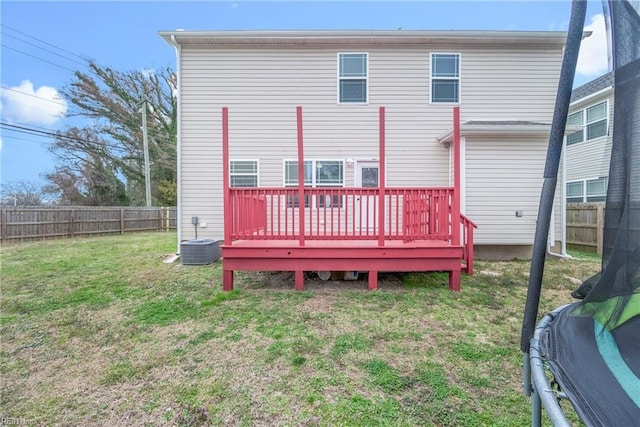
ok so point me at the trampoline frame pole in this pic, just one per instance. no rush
(536, 409)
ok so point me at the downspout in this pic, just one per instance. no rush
(178, 144)
(563, 209)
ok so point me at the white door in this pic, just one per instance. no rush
(367, 176)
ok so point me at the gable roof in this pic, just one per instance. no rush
(602, 82)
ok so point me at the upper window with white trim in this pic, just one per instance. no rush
(243, 173)
(352, 77)
(593, 120)
(445, 77)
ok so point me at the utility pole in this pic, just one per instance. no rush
(145, 147)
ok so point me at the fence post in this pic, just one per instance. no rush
(72, 222)
(121, 221)
(599, 228)
(4, 224)
(168, 220)
(160, 218)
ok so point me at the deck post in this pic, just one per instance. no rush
(227, 275)
(227, 279)
(381, 182)
(301, 203)
(455, 202)
(373, 280)
(225, 176)
(299, 280)
(454, 280)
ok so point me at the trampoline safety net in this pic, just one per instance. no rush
(592, 347)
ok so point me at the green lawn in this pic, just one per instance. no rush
(99, 331)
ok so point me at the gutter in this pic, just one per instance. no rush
(173, 42)
(563, 207)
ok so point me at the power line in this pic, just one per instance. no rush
(44, 42)
(45, 49)
(34, 96)
(37, 57)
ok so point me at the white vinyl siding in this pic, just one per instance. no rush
(445, 78)
(262, 87)
(353, 77)
(504, 175)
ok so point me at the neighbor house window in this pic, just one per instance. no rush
(587, 190)
(352, 77)
(575, 119)
(593, 121)
(597, 190)
(596, 120)
(445, 77)
(317, 173)
(243, 173)
(575, 192)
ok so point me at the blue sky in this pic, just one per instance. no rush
(43, 42)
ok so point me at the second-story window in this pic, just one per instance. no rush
(352, 77)
(445, 77)
(593, 121)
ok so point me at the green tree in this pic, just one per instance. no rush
(108, 153)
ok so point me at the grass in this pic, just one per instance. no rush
(98, 331)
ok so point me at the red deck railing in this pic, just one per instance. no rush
(342, 214)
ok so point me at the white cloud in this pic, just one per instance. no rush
(592, 59)
(42, 106)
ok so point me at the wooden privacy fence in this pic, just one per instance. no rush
(585, 226)
(18, 223)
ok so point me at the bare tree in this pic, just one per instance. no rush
(22, 193)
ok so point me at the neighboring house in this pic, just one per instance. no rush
(589, 150)
(505, 84)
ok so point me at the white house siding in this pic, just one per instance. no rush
(262, 87)
(590, 159)
(504, 175)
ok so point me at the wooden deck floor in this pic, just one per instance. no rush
(342, 255)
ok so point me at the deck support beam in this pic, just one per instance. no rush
(373, 280)
(454, 280)
(299, 280)
(227, 280)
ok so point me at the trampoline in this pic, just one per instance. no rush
(588, 352)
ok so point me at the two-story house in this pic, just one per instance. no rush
(504, 84)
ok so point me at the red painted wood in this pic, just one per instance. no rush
(412, 213)
(299, 280)
(467, 242)
(227, 280)
(455, 211)
(341, 264)
(381, 180)
(414, 229)
(225, 177)
(454, 280)
(301, 204)
(373, 280)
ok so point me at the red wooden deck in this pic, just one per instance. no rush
(345, 229)
(342, 255)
